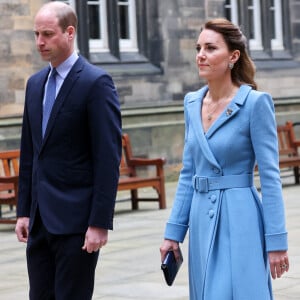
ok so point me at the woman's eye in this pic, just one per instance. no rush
(198, 49)
(211, 48)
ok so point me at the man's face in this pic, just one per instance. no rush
(53, 44)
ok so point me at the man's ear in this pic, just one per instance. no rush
(71, 32)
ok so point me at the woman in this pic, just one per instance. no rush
(236, 238)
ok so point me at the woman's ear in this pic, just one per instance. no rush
(234, 57)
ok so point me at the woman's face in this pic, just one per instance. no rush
(213, 56)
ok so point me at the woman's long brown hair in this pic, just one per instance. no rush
(243, 71)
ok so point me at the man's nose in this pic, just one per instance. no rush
(39, 40)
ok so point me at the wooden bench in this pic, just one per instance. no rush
(9, 175)
(130, 180)
(289, 156)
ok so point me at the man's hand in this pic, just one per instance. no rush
(21, 229)
(95, 238)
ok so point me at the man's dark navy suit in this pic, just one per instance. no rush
(71, 175)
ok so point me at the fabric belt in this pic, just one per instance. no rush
(205, 184)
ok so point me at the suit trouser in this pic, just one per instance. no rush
(58, 268)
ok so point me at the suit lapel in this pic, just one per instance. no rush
(35, 104)
(65, 89)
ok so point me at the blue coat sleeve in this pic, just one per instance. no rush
(178, 222)
(265, 145)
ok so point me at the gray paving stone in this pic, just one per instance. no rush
(129, 266)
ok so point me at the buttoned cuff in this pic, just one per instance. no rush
(175, 232)
(276, 242)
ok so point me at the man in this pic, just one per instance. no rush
(69, 164)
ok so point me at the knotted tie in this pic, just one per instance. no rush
(49, 99)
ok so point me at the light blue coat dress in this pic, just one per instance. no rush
(231, 227)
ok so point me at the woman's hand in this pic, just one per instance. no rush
(279, 263)
(168, 245)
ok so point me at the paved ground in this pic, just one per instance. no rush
(129, 266)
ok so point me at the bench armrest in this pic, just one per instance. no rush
(9, 183)
(147, 161)
(297, 143)
(9, 179)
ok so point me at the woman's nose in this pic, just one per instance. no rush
(201, 55)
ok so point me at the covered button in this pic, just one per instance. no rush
(213, 198)
(211, 213)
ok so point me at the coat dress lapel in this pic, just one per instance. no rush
(231, 110)
(194, 110)
(194, 105)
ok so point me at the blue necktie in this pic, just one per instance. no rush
(49, 99)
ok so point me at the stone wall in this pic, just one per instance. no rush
(173, 28)
(19, 58)
(151, 101)
(176, 24)
(154, 131)
(295, 27)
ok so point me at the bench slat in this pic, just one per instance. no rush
(130, 180)
(9, 176)
(289, 156)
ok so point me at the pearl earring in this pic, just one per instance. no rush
(231, 65)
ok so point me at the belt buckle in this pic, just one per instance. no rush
(203, 184)
(200, 184)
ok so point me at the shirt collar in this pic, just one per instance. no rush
(64, 68)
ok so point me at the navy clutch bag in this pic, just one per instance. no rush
(170, 266)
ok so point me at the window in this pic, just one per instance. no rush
(115, 33)
(99, 16)
(262, 23)
(276, 21)
(127, 25)
(231, 11)
(71, 2)
(254, 25)
(98, 39)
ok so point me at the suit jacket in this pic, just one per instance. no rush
(231, 226)
(72, 173)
